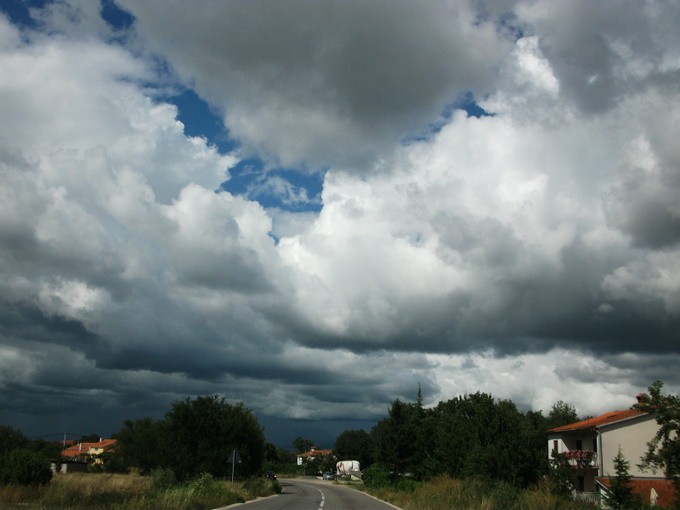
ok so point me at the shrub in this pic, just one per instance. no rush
(24, 467)
(203, 484)
(163, 478)
(376, 477)
(257, 487)
(254, 486)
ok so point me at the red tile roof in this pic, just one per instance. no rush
(598, 421)
(642, 486)
(315, 452)
(84, 448)
(105, 444)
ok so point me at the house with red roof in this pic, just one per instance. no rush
(89, 452)
(313, 452)
(589, 447)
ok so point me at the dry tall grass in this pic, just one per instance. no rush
(123, 492)
(444, 493)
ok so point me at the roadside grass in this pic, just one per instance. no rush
(443, 493)
(123, 492)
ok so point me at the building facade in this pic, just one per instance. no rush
(589, 447)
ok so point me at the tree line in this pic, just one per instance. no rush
(474, 435)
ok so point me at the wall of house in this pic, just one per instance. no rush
(583, 476)
(632, 436)
(567, 441)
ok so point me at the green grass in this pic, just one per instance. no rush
(123, 492)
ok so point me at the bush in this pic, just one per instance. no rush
(24, 467)
(254, 486)
(257, 487)
(163, 478)
(376, 477)
(203, 484)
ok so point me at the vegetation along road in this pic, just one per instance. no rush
(314, 494)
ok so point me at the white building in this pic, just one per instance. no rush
(589, 446)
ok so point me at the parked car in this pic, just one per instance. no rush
(270, 474)
(329, 476)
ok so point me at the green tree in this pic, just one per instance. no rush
(24, 467)
(286, 457)
(539, 464)
(48, 449)
(196, 436)
(142, 444)
(269, 452)
(663, 451)
(561, 414)
(621, 495)
(203, 433)
(302, 445)
(11, 439)
(355, 445)
(397, 439)
(481, 437)
(560, 475)
(320, 464)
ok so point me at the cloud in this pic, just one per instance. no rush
(323, 83)
(531, 253)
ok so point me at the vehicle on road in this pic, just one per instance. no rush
(270, 474)
(329, 476)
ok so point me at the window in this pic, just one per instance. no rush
(579, 445)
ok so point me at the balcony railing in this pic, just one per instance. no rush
(588, 497)
(581, 458)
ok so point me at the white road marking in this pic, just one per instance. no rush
(323, 499)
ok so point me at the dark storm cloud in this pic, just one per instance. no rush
(532, 253)
(352, 77)
(590, 45)
(646, 207)
(26, 322)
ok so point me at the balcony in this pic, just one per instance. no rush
(593, 498)
(583, 459)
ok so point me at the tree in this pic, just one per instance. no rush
(24, 467)
(302, 445)
(286, 457)
(196, 436)
(561, 414)
(663, 451)
(142, 444)
(396, 438)
(354, 445)
(269, 452)
(11, 439)
(47, 449)
(560, 475)
(320, 464)
(203, 433)
(621, 495)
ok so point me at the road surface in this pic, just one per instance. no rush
(315, 494)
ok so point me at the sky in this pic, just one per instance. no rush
(317, 207)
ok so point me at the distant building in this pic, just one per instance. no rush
(89, 452)
(313, 452)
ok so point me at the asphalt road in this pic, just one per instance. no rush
(315, 494)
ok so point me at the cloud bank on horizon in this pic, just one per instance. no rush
(532, 252)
